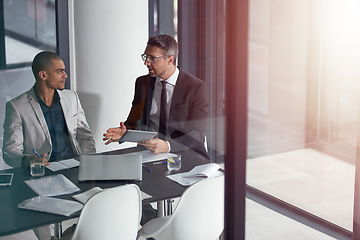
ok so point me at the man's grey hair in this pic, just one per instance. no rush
(166, 43)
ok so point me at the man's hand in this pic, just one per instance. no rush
(27, 159)
(155, 145)
(114, 134)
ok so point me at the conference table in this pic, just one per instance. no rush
(154, 183)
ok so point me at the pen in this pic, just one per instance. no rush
(36, 153)
(163, 162)
(147, 169)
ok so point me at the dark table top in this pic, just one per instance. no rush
(154, 183)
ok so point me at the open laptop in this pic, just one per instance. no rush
(110, 167)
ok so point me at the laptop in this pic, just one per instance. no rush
(110, 167)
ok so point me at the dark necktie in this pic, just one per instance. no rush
(162, 122)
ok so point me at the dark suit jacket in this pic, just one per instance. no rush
(188, 111)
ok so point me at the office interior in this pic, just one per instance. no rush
(283, 82)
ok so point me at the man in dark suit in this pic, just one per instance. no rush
(178, 112)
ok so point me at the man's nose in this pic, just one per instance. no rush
(147, 62)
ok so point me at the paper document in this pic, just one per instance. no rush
(205, 170)
(52, 185)
(148, 156)
(196, 174)
(85, 196)
(63, 164)
(144, 195)
(51, 205)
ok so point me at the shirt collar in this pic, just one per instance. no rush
(56, 97)
(172, 79)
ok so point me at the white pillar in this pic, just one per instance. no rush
(106, 40)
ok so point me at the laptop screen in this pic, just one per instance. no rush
(110, 167)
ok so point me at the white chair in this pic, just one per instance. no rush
(199, 214)
(113, 213)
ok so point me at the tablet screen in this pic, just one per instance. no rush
(137, 136)
(5, 179)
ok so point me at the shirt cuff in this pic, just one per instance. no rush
(169, 146)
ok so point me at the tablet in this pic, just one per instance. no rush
(6, 179)
(137, 136)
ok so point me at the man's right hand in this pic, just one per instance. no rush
(28, 158)
(114, 134)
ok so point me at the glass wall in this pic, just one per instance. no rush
(302, 89)
(29, 26)
(303, 104)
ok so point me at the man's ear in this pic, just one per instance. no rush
(171, 59)
(42, 75)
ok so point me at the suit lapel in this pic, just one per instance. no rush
(65, 107)
(149, 98)
(38, 113)
(68, 111)
(177, 94)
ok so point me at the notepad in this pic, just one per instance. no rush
(63, 164)
(196, 174)
(204, 171)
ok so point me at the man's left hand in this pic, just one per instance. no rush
(155, 145)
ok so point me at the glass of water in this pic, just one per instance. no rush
(174, 163)
(37, 168)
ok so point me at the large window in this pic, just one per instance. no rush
(303, 105)
(28, 27)
(302, 111)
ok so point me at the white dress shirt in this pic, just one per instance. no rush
(156, 102)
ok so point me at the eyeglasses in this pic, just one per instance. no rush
(151, 59)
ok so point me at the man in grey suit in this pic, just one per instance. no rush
(46, 118)
(186, 102)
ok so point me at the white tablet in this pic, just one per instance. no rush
(137, 136)
(6, 179)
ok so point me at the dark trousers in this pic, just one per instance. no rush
(148, 213)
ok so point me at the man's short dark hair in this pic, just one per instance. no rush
(42, 61)
(166, 43)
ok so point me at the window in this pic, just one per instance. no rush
(28, 27)
(303, 105)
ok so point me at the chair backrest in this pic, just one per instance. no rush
(113, 213)
(199, 214)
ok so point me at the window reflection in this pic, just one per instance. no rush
(29, 28)
(303, 104)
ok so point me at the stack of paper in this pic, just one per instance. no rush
(52, 185)
(51, 205)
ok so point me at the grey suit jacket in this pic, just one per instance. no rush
(25, 127)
